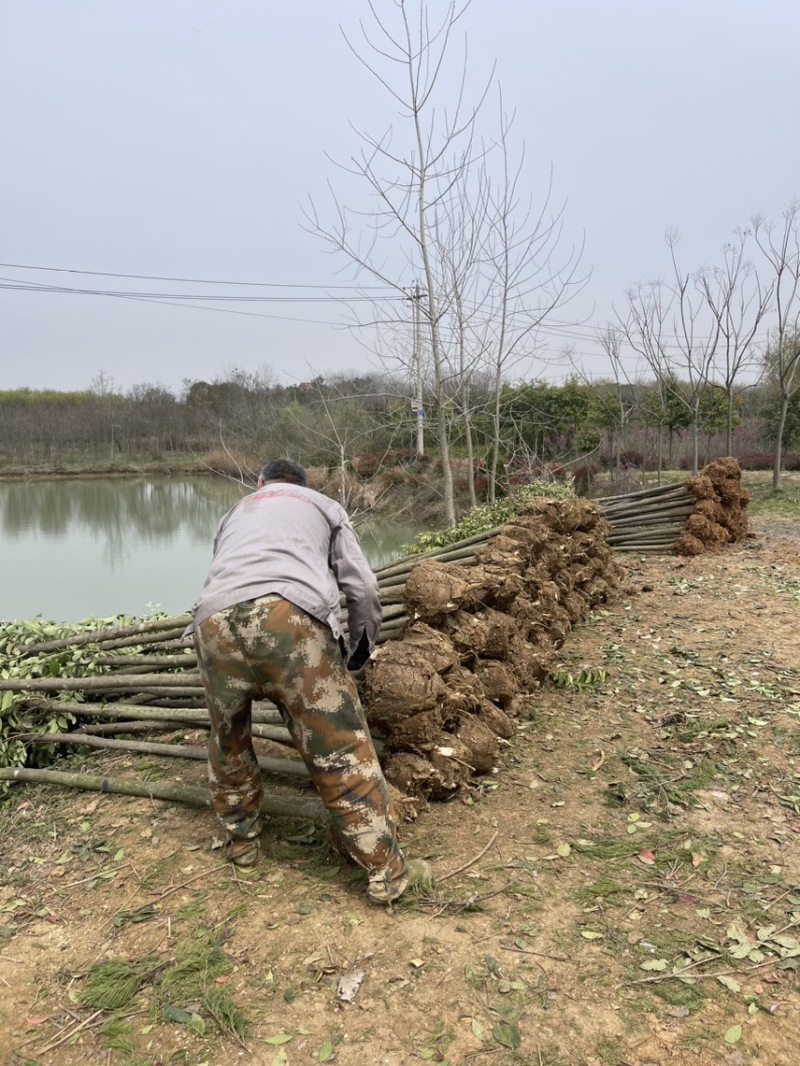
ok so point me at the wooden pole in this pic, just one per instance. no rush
(293, 767)
(278, 806)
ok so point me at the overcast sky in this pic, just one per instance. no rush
(179, 138)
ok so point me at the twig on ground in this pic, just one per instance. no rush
(72, 1030)
(718, 973)
(176, 888)
(596, 766)
(466, 866)
(100, 875)
(539, 954)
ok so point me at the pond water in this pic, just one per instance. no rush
(71, 549)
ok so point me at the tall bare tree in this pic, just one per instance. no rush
(410, 174)
(695, 338)
(450, 202)
(671, 327)
(780, 245)
(616, 406)
(739, 303)
(645, 329)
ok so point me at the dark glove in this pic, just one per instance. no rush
(361, 653)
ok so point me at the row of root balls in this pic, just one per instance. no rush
(445, 696)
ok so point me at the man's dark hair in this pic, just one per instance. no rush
(283, 470)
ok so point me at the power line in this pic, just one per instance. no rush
(20, 285)
(550, 327)
(190, 281)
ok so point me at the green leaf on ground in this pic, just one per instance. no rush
(177, 1014)
(508, 1035)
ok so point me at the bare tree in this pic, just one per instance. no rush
(696, 336)
(411, 183)
(671, 327)
(739, 302)
(780, 246)
(619, 409)
(645, 329)
(529, 271)
(487, 262)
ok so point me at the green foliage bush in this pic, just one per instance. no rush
(487, 516)
(17, 664)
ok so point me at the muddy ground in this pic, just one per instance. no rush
(644, 823)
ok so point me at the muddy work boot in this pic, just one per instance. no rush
(242, 852)
(417, 877)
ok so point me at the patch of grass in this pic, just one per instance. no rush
(113, 984)
(764, 500)
(192, 911)
(604, 847)
(118, 1038)
(541, 835)
(199, 961)
(219, 1003)
(606, 889)
(678, 994)
(662, 784)
(608, 1052)
(153, 772)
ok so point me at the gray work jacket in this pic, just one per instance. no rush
(294, 542)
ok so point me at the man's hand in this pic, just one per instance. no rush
(360, 655)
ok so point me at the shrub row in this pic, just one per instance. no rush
(764, 461)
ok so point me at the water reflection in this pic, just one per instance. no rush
(118, 513)
(75, 548)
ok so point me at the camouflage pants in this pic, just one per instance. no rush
(268, 648)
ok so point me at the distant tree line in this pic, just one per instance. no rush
(366, 424)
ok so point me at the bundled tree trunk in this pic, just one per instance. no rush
(467, 634)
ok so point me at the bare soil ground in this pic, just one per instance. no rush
(638, 902)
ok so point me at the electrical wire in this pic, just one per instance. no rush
(190, 281)
(550, 327)
(17, 284)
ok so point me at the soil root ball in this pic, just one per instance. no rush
(481, 742)
(687, 544)
(487, 635)
(434, 591)
(497, 680)
(417, 730)
(720, 514)
(404, 677)
(445, 695)
(451, 762)
(407, 808)
(497, 720)
(493, 585)
(410, 774)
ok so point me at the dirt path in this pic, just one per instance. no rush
(645, 823)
